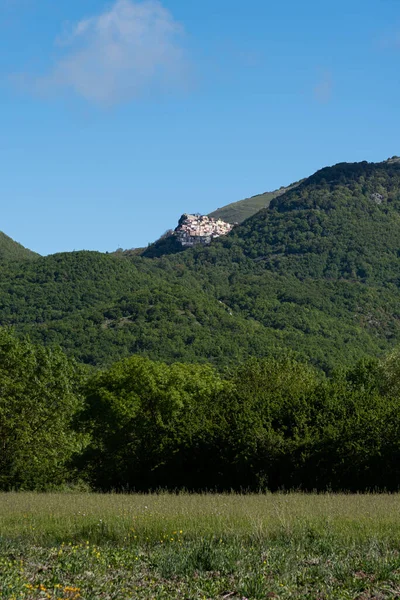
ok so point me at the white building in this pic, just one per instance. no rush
(200, 229)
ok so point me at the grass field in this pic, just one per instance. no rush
(89, 546)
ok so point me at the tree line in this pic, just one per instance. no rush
(272, 423)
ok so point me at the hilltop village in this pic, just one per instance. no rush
(200, 229)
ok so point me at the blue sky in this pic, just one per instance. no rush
(117, 117)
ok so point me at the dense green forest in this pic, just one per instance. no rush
(99, 309)
(140, 424)
(267, 359)
(316, 272)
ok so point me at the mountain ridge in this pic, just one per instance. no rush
(317, 273)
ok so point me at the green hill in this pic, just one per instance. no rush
(341, 223)
(100, 307)
(10, 250)
(317, 272)
(237, 212)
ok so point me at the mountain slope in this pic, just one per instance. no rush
(342, 222)
(317, 272)
(100, 308)
(11, 250)
(206, 309)
(237, 212)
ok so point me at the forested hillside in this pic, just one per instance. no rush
(317, 272)
(341, 223)
(292, 320)
(203, 309)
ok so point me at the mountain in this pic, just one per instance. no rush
(11, 250)
(341, 223)
(101, 307)
(317, 273)
(237, 212)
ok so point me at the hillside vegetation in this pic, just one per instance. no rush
(237, 212)
(266, 360)
(204, 308)
(317, 272)
(341, 223)
(11, 250)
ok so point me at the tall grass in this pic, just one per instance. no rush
(52, 518)
(202, 547)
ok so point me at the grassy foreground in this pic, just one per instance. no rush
(89, 546)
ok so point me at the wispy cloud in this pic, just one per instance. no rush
(324, 88)
(133, 48)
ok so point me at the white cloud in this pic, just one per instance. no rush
(132, 49)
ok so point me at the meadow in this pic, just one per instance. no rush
(204, 546)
